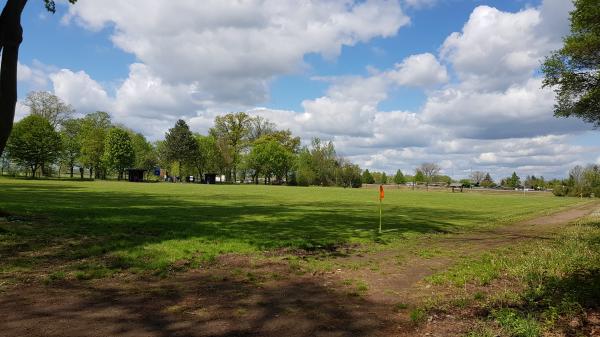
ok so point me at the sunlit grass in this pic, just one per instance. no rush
(162, 226)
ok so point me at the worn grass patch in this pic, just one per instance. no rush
(554, 283)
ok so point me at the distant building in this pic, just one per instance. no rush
(135, 174)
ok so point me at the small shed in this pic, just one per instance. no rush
(210, 178)
(135, 175)
(457, 185)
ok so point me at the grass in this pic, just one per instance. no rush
(95, 228)
(553, 283)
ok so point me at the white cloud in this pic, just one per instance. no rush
(231, 51)
(34, 76)
(80, 90)
(522, 110)
(421, 70)
(497, 49)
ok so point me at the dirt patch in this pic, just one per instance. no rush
(239, 297)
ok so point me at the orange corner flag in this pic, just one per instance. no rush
(381, 193)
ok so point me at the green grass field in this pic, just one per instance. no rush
(105, 226)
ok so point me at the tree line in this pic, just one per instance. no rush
(582, 182)
(240, 147)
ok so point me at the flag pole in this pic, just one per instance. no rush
(381, 195)
(380, 215)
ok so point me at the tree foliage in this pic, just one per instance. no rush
(367, 177)
(118, 151)
(34, 142)
(94, 128)
(180, 145)
(232, 131)
(71, 139)
(574, 70)
(399, 178)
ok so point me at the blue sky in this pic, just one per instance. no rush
(392, 83)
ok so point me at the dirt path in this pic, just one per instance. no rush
(243, 298)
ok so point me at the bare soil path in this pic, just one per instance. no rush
(239, 297)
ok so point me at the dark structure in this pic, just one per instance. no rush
(456, 185)
(210, 178)
(135, 175)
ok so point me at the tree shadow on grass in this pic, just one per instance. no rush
(82, 223)
(193, 305)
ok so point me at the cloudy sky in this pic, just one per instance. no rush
(392, 83)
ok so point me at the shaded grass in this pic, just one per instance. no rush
(165, 227)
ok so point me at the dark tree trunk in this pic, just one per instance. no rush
(11, 36)
(72, 171)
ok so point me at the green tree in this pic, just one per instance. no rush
(324, 162)
(305, 174)
(419, 176)
(574, 70)
(34, 142)
(467, 182)
(94, 128)
(367, 177)
(118, 151)
(145, 153)
(487, 181)
(384, 178)
(208, 156)
(399, 178)
(70, 135)
(10, 40)
(180, 145)
(349, 174)
(269, 158)
(513, 181)
(232, 131)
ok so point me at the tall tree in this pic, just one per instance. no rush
(367, 177)
(208, 156)
(574, 70)
(180, 145)
(232, 131)
(513, 181)
(487, 181)
(49, 106)
(477, 177)
(11, 36)
(94, 128)
(118, 151)
(348, 174)
(419, 177)
(384, 178)
(34, 142)
(429, 170)
(145, 153)
(70, 135)
(399, 178)
(269, 158)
